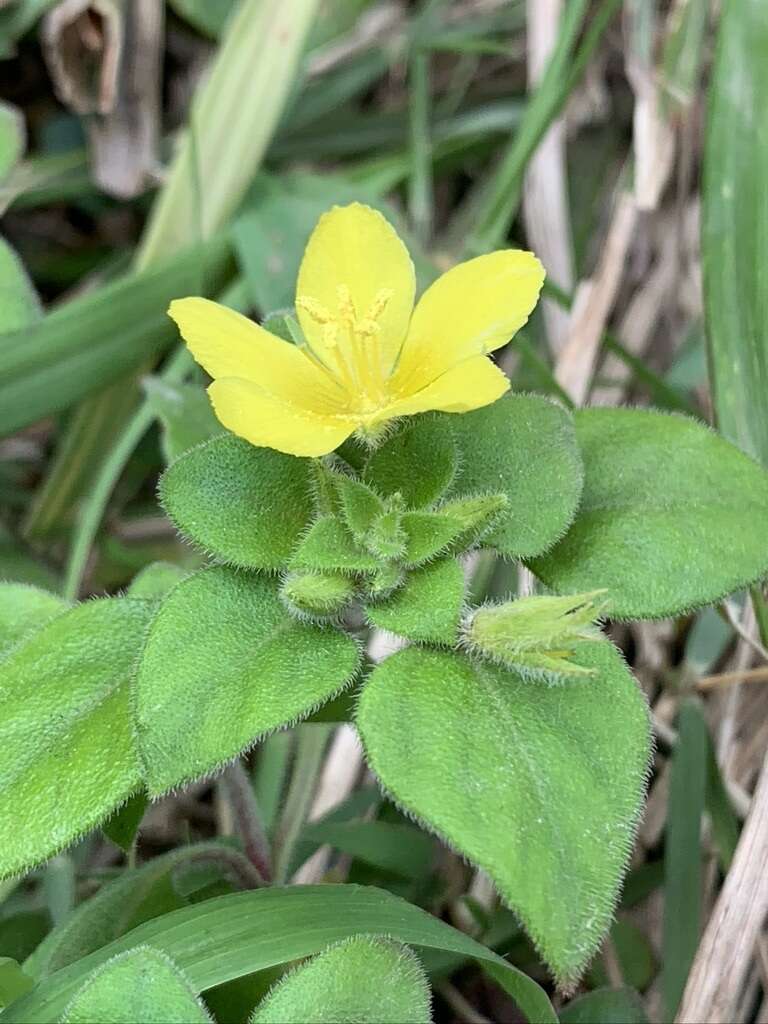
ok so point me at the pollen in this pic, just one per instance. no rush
(315, 309)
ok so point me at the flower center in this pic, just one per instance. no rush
(351, 345)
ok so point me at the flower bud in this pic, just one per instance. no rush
(317, 595)
(538, 637)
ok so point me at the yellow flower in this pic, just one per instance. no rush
(369, 356)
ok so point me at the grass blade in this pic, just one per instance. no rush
(231, 936)
(682, 854)
(232, 122)
(735, 227)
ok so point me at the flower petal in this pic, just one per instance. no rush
(227, 344)
(356, 248)
(267, 422)
(470, 310)
(466, 386)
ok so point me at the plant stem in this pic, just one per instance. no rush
(96, 502)
(310, 746)
(246, 810)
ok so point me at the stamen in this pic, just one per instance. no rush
(368, 327)
(379, 304)
(330, 334)
(345, 304)
(315, 309)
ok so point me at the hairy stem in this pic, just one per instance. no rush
(248, 818)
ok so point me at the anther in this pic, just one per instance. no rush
(315, 309)
(346, 306)
(379, 304)
(368, 327)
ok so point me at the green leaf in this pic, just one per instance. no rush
(66, 743)
(670, 518)
(99, 337)
(524, 446)
(477, 515)
(19, 304)
(22, 932)
(387, 578)
(734, 246)
(142, 986)
(248, 505)
(231, 936)
(133, 897)
(634, 955)
(360, 505)
(683, 854)
(23, 609)
(541, 787)
(224, 664)
(207, 16)
(605, 1006)
(419, 462)
(13, 981)
(362, 979)
(386, 538)
(122, 827)
(399, 849)
(428, 534)
(12, 137)
(725, 823)
(155, 580)
(185, 412)
(329, 546)
(427, 608)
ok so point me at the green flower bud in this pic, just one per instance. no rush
(316, 594)
(537, 636)
(386, 537)
(385, 580)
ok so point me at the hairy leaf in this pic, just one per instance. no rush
(541, 787)
(672, 516)
(360, 505)
(418, 463)
(155, 580)
(427, 608)
(224, 664)
(23, 609)
(67, 754)
(524, 446)
(428, 534)
(330, 546)
(247, 505)
(124, 824)
(142, 986)
(362, 979)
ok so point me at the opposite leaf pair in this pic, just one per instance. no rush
(539, 785)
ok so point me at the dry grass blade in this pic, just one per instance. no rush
(727, 948)
(545, 193)
(593, 303)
